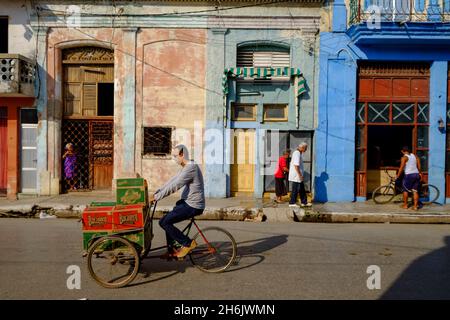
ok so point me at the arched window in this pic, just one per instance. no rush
(262, 56)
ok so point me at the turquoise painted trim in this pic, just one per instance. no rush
(216, 175)
(42, 110)
(438, 103)
(129, 122)
(339, 16)
(361, 199)
(221, 57)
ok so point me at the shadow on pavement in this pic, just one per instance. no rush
(246, 256)
(428, 277)
(253, 251)
(155, 266)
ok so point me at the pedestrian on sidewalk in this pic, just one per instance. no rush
(296, 176)
(280, 176)
(191, 204)
(410, 164)
(70, 165)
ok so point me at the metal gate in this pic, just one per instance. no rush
(93, 143)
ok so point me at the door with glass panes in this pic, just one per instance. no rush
(392, 112)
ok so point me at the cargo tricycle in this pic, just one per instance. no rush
(114, 257)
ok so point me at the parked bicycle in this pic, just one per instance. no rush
(386, 193)
(114, 260)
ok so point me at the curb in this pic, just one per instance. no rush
(75, 212)
(242, 214)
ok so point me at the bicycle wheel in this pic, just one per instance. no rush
(383, 194)
(428, 193)
(216, 250)
(113, 261)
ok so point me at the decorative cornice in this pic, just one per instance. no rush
(308, 24)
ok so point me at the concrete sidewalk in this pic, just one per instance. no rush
(71, 205)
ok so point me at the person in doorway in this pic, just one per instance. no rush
(296, 176)
(280, 176)
(410, 165)
(191, 204)
(70, 165)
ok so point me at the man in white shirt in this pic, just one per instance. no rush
(296, 173)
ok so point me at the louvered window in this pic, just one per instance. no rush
(89, 99)
(253, 57)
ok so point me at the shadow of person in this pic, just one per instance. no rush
(321, 194)
(428, 277)
(251, 254)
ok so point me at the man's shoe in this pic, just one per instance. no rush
(306, 204)
(184, 251)
(294, 205)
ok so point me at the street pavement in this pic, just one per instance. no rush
(275, 261)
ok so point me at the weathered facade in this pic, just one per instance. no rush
(124, 82)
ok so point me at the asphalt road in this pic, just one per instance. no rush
(276, 261)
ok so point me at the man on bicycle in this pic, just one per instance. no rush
(191, 204)
(410, 163)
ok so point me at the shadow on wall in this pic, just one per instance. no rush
(428, 277)
(320, 187)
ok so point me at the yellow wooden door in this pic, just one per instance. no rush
(243, 165)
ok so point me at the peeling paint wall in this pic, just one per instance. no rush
(160, 70)
(123, 44)
(170, 92)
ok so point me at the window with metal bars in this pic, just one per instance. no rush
(157, 141)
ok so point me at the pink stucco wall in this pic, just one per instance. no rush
(170, 89)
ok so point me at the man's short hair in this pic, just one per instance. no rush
(183, 150)
(405, 148)
(303, 144)
(287, 151)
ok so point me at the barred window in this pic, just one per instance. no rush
(157, 140)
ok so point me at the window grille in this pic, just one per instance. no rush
(157, 140)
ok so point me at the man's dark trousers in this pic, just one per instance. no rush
(182, 211)
(298, 188)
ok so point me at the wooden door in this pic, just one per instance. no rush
(3, 149)
(243, 166)
(102, 148)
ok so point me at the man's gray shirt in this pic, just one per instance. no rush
(191, 178)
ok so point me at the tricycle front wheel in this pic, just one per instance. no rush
(113, 261)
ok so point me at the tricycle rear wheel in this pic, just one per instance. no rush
(113, 261)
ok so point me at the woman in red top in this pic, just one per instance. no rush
(280, 178)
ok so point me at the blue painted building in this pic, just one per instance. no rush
(383, 83)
